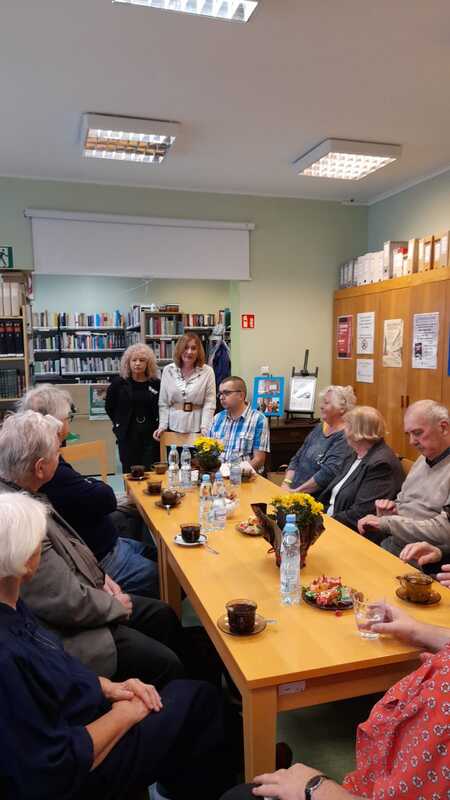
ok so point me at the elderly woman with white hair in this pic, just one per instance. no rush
(132, 406)
(68, 734)
(88, 505)
(319, 459)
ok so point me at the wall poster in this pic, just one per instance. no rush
(365, 333)
(425, 340)
(344, 336)
(393, 343)
(364, 370)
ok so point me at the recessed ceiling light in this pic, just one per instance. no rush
(346, 159)
(232, 10)
(145, 141)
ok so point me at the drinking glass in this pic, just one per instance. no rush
(366, 613)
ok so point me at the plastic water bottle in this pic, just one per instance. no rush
(235, 469)
(290, 563)
(219, 506)
(205, 508)
(185, 471)
(173, 479)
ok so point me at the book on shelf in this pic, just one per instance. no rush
(89, 364)
(134, 317)
(98, 320)
(113, 340)
(12, 383)
(47, 367)
(133, 338)
(11, 338)
(164, 350)
(164, 326)
(10, 298)
(45, 319)
(46, 341)
(199, 320)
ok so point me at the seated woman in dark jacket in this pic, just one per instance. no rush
(370, 472)
(67, 734)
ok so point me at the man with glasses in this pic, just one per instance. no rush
(243, 430)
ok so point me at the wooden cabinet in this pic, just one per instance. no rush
(394, 388)
(285, 439)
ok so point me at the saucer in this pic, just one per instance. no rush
(130, 478)
(434, 598)
(160, 504)
(178, 539)
(260, 625)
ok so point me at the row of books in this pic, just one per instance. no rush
(199, 320)
(11, 338)
(10, 298)
(89, 364)
(45, 319)
(134, 317)
(47, 367)
(100, 320)
(164, 326)
(93, 341)
(46, 341)
(12, 383)
(163, 350)
(133, 337)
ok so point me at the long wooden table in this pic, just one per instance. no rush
(309, 656)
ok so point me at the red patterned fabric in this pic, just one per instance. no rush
(402, 751)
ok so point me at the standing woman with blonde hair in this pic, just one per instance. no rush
(187, 400)
(132, 406)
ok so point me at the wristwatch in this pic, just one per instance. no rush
(314, 784)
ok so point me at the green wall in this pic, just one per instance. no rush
(295, 250)
(421, 210)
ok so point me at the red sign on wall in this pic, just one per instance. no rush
(247, 320)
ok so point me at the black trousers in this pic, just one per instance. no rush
(241, 792)
(138, 447)
(151, 645)
(182, 747)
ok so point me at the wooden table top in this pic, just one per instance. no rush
(305, 642)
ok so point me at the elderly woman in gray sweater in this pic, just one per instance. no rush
(319, 459)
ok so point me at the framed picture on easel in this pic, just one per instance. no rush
(268, 395)
(302, 393)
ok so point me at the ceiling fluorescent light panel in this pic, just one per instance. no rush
(231, 10)
(144, 141)
(346, 159)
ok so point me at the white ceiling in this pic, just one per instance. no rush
(250, 98)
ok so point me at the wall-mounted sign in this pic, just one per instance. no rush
(344, 336)
(425, 340)
(6, 257)
(247, 320)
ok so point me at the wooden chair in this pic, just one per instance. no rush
(169, 437)
(84, 450)
(406, 464)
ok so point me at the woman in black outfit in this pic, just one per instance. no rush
(132, 406)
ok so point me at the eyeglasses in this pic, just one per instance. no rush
(71, 416)
(227, 392)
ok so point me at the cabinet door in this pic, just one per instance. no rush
(367, 393)
(393, 381)
(343, 372)
(427, 383)
(445, 360)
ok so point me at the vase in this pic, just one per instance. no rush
(207, 466)
(308, 535)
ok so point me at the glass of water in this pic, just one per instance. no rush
(366, 613)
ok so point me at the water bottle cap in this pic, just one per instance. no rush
(205, 478)
(218, 476)
(291, 518)
(173, 447)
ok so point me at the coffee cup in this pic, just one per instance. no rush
(241, 615)
(169, 497)
(417, 587)
(160, 467)
(190, 532)
(137, 471)
(154, 487)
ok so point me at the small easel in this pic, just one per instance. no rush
(304, 374)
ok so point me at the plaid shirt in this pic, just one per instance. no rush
(245, 434)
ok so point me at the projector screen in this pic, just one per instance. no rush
(66, 243)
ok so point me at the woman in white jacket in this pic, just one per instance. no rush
(187, 397)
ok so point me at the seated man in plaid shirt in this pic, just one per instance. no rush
(243, 430)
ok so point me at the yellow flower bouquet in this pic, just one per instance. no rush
(208, 453)
(308, 515)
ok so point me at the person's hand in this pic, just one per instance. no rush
(133, 687)
(385, 508)
(422, 552)
(287, 487)
(130, 711)
(285, 784)
(126, 601)
(368, 523)
(396, 622)
(444, 576)
(111, 587)
(157, 434)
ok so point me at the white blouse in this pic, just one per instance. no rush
(338, 487)
(199, 389)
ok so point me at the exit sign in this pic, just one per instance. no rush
(6, 257)
(247, 320)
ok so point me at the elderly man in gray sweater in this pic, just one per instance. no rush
(417, 513)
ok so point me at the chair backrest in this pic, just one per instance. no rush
(406, 464)
(169, 437)
(83, 450)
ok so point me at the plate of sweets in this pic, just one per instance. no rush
(328, 594)
(250, 526)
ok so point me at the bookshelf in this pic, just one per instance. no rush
(77, 346)
(15, 337)
(163, 328)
